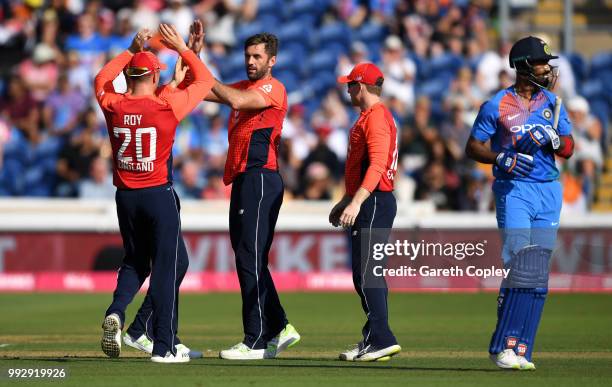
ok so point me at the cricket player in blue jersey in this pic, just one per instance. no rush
(526, 126)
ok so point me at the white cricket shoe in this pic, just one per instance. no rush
(111, 336)
(145, 345)
(193, 354)
(287, 338)
(369, 353)
(351, 353)
(506, 359)
(525, 365)
(242, 352)
(180, 357)
(142, 343)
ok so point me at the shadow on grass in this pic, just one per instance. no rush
(276, 363)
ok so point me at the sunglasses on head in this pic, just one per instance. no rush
(137, 71)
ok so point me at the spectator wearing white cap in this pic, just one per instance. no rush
(399, 71)
(40, 73)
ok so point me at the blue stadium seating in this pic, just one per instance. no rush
(299, 8)
(600, 62)
(578, 66)
(445, 63)
(294, 32)
(233, 64)
(435, 87)
(297, 51)
(600, 108)
(592, 88)
(289, 79)
(244, 30)
(322, 61)
(371, 32)
(319, 83)
(11, 177)
(331, 33)
(285, 61)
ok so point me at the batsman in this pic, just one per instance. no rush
(519, 131)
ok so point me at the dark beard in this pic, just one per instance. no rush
(258, 74)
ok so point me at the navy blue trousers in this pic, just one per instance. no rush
(373, 225)
(256, 199)
(150, 225)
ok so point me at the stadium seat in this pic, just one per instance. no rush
(294, 32)
(285, 61)
(601, 109)
(435, 87)
(289, 79)
(336, 47)
(269, 19)
(11, 177)
(298, 8)
(49, 148)
(600, 62)
(298, 52)
(321, 82)
(269, 7)
(234, 63)
(578, 66)
(592, 88)
(331, 33)
(445, 63)
(371, 32)
(322, 61)
(244, 30)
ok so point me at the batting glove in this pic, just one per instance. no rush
(517, 164)
(537, 138)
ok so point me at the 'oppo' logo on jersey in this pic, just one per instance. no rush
(527, 127)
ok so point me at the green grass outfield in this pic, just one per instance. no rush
(444, 339)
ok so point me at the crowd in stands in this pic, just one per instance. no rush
(439, 58)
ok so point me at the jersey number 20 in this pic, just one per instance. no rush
(127, 137)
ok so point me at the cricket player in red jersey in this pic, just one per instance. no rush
(141, 126)
(259, 105)
(368, 208)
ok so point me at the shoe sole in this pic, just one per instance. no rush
(170, 361)
(288, 344)
(242, 357)
(514, 367)
(111, 344)
(135, 345)
(383, 357)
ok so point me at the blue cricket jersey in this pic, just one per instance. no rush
(504, 116)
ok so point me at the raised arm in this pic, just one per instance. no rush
(103, 83)
(184, 101)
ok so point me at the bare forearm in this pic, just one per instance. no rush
(226, 95)
(478, 151)
(213, 97)
(360, 196)
(239, 99)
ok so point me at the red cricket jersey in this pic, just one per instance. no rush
(142, 128)
(372, 151)
(254, 135)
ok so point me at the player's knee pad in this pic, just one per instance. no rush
(529, 268)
